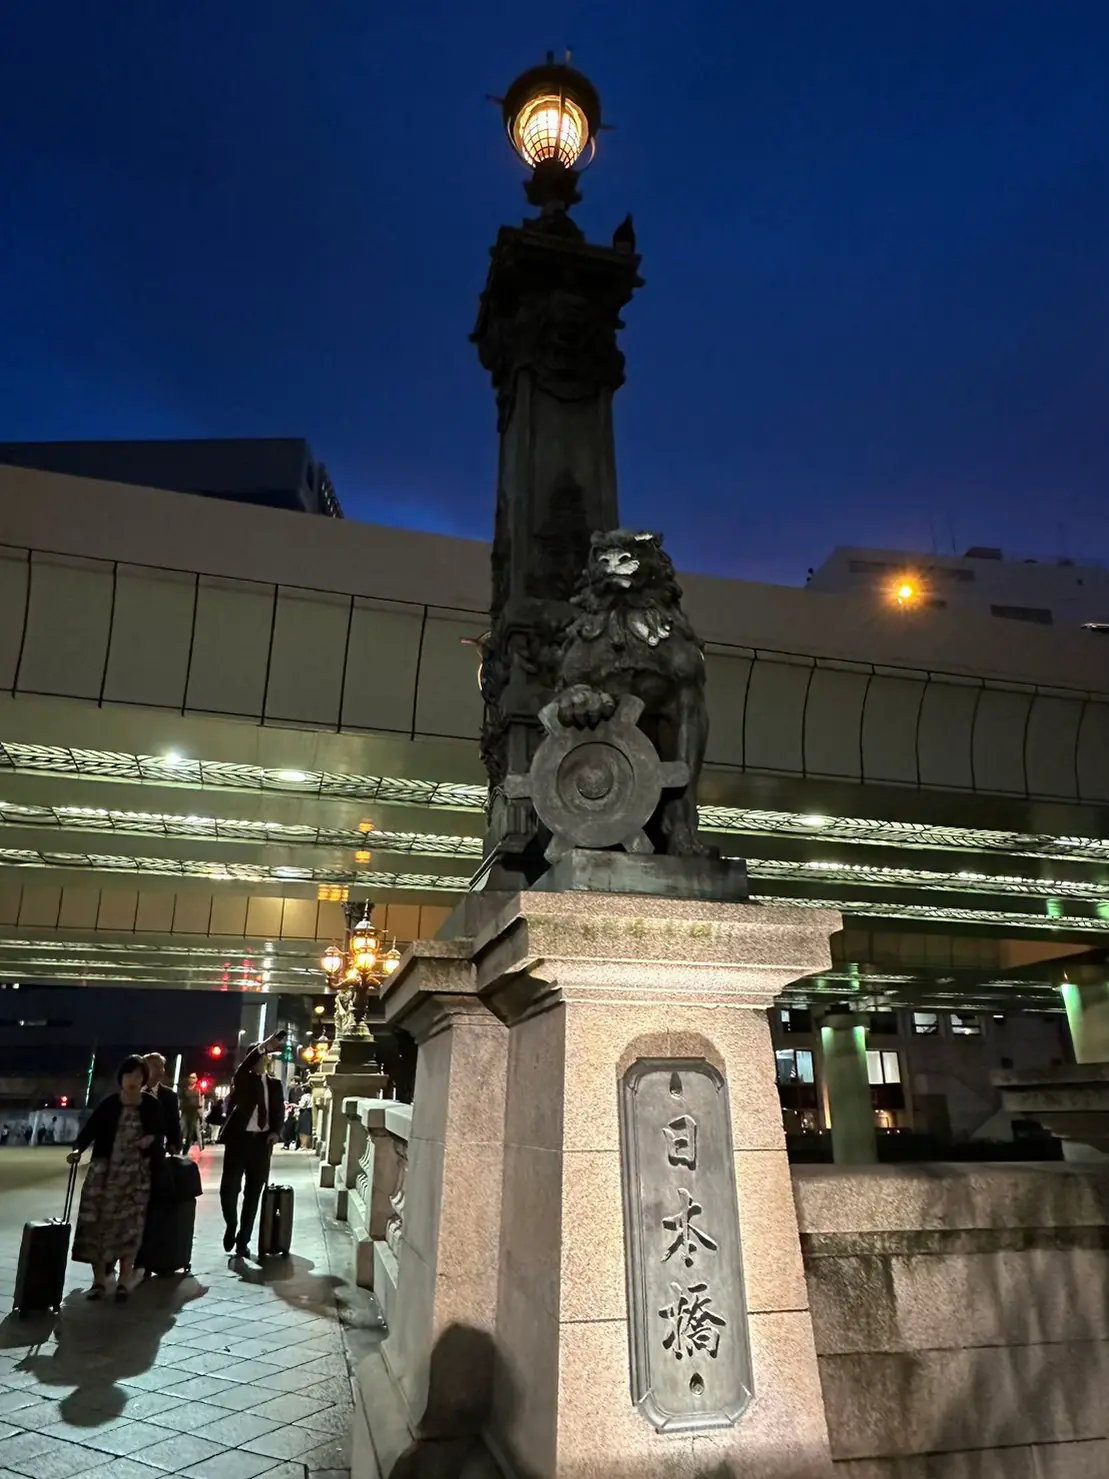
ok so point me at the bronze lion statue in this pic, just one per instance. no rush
(631, 637)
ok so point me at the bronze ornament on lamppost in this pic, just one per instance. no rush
(356, 969)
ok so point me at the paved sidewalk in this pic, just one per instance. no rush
(237, 1372)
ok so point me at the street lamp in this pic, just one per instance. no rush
(552, 115)
(356, 969)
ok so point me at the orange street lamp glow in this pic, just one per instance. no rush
(906, 591)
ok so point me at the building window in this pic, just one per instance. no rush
(1039, 614)
(883, 1068)
(964, 1025)
(883, 1023)
(795, 1019)
(925, 1023)
(794, 1065)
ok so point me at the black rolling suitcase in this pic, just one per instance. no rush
(167, 1241)
(43, 1259)
(275, 1222)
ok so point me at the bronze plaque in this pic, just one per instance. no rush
(687, 1308)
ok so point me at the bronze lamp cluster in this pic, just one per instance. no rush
(364, 959)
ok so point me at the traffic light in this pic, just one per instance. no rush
(216, 1050)
(204, 1085)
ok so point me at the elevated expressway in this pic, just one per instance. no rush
(217, 720)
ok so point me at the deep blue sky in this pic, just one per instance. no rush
(875, 238)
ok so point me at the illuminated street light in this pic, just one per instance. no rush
(358, 967)
(906, 590)
(552, 114)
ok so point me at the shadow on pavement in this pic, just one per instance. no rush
(98, 1346)
(292, 1280)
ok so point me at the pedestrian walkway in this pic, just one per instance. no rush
(239, 1371)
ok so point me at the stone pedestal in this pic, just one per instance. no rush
(446, 1245)
(591, 986)
(317, 1082)
(847, 1087)
(355, 1074)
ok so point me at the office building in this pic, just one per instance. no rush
(1066, 593)
(275, 472)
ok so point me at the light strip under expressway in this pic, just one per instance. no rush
(190, 774)
(432, 845)
(1053, 914)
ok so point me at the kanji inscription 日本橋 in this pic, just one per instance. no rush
(687, 1310)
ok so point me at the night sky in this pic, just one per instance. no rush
(875, 239)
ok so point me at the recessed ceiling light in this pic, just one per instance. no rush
(813, 821)
(291, 777)
(173, 758)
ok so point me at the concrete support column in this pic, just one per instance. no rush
(847, 1089)
(1087, 1004)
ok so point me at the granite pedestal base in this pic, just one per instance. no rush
(429, 1384)
(512, 1303)
(591, 985)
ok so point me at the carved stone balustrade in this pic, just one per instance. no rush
(354, 1150)
(375, 1191)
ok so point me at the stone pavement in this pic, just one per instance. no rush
(238, 1371)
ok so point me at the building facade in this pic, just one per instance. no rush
(929, 1071)
(273, 472)
(1068, 593)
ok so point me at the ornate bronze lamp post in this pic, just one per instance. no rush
(356, 969)
(547, 333)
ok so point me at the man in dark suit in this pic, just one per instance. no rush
(255, 1113)
(167, 1099)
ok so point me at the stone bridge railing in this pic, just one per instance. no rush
(370, 1185)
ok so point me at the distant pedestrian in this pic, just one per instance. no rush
(304, 1120)
(192, 1103)
(126, 1132)
(28, 1134)
(167, 1098)
(5, 1132)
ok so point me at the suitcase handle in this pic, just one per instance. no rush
(71, 1187)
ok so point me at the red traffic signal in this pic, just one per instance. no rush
(215, 1051)
(204, 1085)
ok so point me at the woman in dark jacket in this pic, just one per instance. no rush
(126, 1132)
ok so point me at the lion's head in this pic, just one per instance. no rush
(626, 560)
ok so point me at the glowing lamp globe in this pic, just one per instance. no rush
(363, 938)
(552, 114)
(332, 962)
(391, 961)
